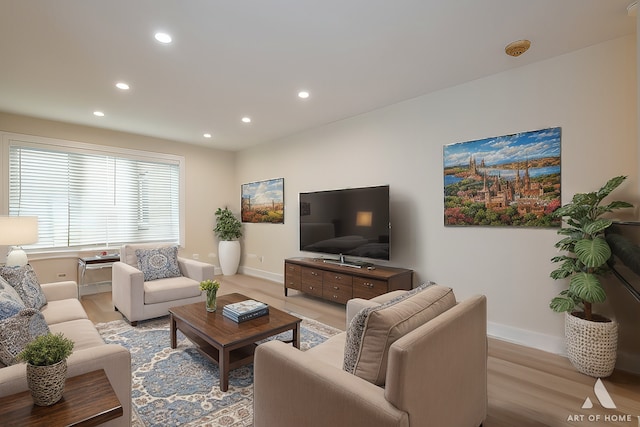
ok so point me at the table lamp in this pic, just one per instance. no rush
(16, 231)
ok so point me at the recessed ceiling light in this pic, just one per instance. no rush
(246, 120)
(303, 94)
(98, 113)
(163, 38)
(122, 85)
(207, 135)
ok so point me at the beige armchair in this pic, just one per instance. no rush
(436, 374)
(140, 299)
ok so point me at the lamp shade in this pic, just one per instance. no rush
(18, 230)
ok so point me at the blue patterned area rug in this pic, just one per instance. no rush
(180, 387)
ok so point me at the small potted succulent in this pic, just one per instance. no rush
(211, 288)
(46, 358)
(228, 229)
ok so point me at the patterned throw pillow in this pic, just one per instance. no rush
(10, 301)
(24, 280)
(18, 331)
(158, 263)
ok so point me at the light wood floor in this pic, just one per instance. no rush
(527, 387)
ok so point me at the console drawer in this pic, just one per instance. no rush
(337, 278)
(292, 278)
(336, 294)
(337, 287)
(311, 281)
(368, 288)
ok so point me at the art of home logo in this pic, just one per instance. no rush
(605, 401)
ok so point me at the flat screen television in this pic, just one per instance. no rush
(351, 222)
(624, 240)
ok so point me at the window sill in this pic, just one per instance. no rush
(37, 255)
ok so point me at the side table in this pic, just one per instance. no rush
(88, 400)
(94, 263)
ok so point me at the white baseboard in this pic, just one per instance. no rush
(274, 277)
(544, 342)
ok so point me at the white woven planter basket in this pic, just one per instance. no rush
(46, 382)
(591, 346)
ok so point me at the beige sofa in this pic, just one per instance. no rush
(64, 313)
(138, 299)
(434, 374)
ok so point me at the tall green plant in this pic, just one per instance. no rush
(588, 251)
(228, 227)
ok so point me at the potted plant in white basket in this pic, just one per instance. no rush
(46, 358)
(591, 338)
(228, 229)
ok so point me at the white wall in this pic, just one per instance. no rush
(590, 93)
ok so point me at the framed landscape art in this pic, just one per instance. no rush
(505, 181)
(263, 201)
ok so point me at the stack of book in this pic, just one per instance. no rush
(245, 310)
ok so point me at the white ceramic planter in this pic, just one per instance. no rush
(229, 254)
(591, 346)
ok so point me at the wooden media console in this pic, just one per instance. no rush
(339, 283)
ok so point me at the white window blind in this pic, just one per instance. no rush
(85, 199)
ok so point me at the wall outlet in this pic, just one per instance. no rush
(261, 258)
(196, 256)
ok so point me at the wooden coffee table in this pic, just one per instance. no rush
(225, 342)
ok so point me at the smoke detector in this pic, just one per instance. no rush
(517, 48)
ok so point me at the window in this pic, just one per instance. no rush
(86, 195)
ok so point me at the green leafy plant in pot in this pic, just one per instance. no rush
(228, 229)
(46, 358)
(591, 338)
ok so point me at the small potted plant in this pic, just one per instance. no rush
(591, 338)
(46, 358)
(228, 229)
(211, 288)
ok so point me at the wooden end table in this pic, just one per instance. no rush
(88, 400)
(223, 341)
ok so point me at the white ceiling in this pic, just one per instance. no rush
(60, 59)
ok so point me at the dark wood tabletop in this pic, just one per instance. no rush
(88, 400)
(225, 331)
